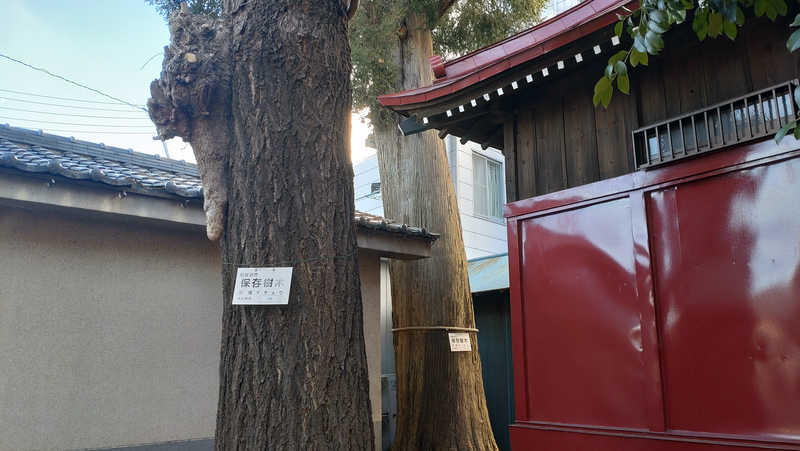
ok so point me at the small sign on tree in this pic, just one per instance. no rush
(459, 342)
(262, 286)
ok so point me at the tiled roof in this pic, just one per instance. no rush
(32, 151)
(366, 220)
(36, 152)
(581, 20)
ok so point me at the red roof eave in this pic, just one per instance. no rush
(583, 19)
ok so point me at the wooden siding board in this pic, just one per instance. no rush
(770, 62)
(549, 121)
(673, 85)
(631, 123)
(650, 93)
(613, 134)
(693, 89)
(510, 154)
(725, 70)
(526, 155)
(580, 139)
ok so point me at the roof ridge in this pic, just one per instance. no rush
(71, 144)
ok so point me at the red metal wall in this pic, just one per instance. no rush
(661, 310)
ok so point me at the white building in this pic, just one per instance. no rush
(480, 189)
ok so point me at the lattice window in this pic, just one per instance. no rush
(755, 115)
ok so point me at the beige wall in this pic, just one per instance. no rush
(109, 333)
(369, 268)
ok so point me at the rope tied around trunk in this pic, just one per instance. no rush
(460, 329)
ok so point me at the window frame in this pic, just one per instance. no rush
(499, 198)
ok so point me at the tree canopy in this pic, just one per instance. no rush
(211, 8)
(456, 27)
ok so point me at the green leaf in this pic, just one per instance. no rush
(598, 94)
(797, 96)
(610, 72)
(602, 85)
(634, 57)
(655, 40)
(700, 23)
(796, 132)
(623, 84)
(783, 131)
(772, 13)
(618, 28)
(658, 16)
(658, 28)
(730, 30)
(650, 47)
(714, 24)
(761, 7)
(680, 15)
(621, 68)
(643, 59)
(794, 41)
(730, 13)
(796, 22)
(617, 56)
(739, 17)
(687, 4)
(638, 44)
(606, 97)
(780, 7)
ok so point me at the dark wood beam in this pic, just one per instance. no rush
(476, 128)
(493, 137)
(446, 131)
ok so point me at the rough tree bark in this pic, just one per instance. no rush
(440, 399)
(263, 95)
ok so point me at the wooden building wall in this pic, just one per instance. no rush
(562, 141)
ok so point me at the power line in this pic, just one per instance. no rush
(75, 115)
(80, 125)
(70, 81)
(97, 132)
(63, 98)
(70, 106)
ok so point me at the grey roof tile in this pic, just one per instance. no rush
(35, 151)
(32, 151)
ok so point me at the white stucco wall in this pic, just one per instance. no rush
(109, 333)
(482, 236)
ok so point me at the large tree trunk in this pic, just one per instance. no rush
(264, 98)
(440, 400)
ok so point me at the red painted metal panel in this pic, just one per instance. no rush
(517, 326)
(644, 283)
(583, 344)
(661, 310)
(538, 438)
(727, 253)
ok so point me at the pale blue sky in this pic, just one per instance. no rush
(102, 44)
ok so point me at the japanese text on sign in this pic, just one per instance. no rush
(459, 342)
(262, 286)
